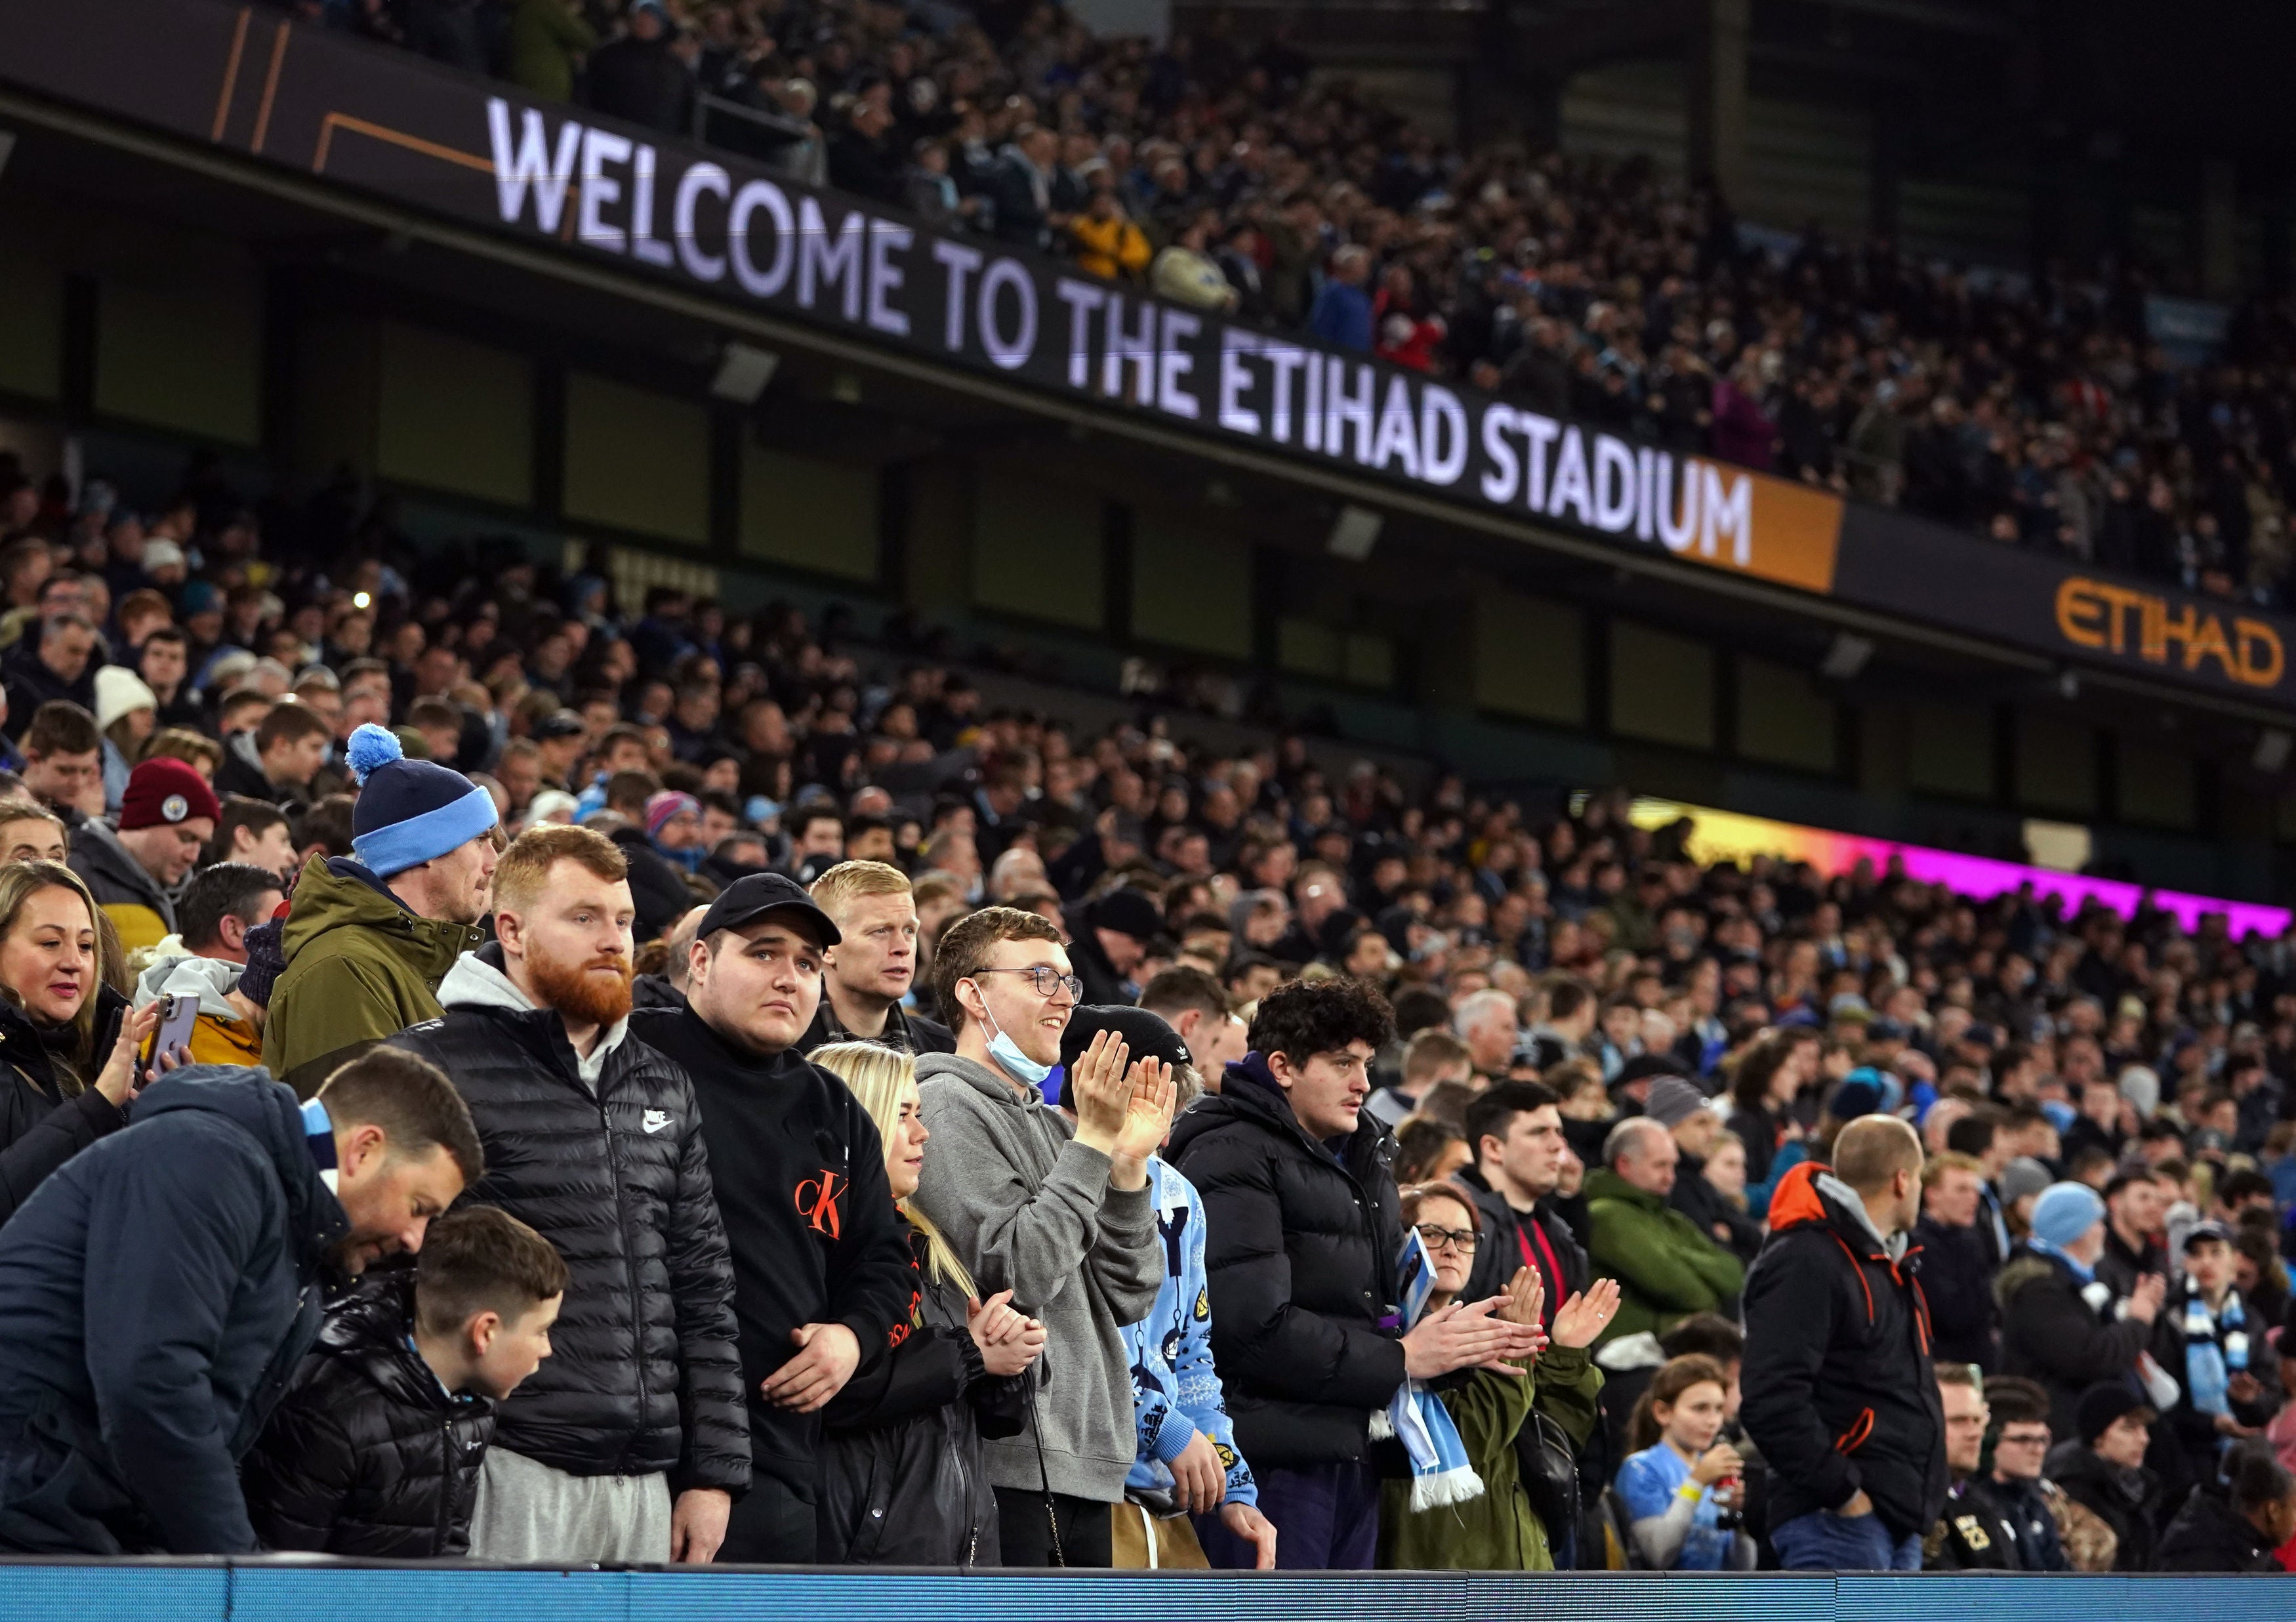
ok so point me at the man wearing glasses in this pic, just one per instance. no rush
(2030, 1504)
(1971, 1534)
(1057, 1212)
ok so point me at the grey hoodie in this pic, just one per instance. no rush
(473, 982)
(1029, 1209)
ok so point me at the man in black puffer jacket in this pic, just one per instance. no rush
(1840, 1397)
(375, 1449)
(631, 1443)
(1302, 1238)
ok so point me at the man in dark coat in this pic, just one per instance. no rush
(1839, 1395)
(157, 1289)
(638, 78)
(2102, 1468)
(631, 1444)
(1108, 951)
(2235, 1525)
(1302, 1241)
(54, 659)
(2057, 1318)
(1515, 1130)
(821, 1256)
(1956, 1279)
(1972, 1534)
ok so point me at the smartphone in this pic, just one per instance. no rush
(173, 1032)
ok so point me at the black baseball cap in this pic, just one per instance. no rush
(1146, 1034)
(748, 900)
(565, 723)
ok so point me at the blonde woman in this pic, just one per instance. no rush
(67, 1040)
(903, 1481)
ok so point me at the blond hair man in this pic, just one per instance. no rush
(871, 969)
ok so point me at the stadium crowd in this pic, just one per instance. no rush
(726, 1092)
(2036, 410)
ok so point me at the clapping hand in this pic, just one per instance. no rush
(1583, 1317)
(1148, 1117)
(1526, 1297)
(1009, 1341)
(1100, 1092)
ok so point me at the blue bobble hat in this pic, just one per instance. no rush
(409, 811)
(2064, 1211)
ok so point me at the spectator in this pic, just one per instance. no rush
(256, 833)
(1194, 1004)
(1059, 1215)
(2056, 1322)
(372, 934)
(167, 814)
(63, 761)
(1514, 1134)
(605, 1455)
(1186, 273)
(1497, 1528)
(1840, 1394)
(31, 832)
(547, 41)
(1681, 1479)
(1971, 1534)
(822, 1274)
(2132, 1233)
(1301, 1241)
(56, 665)
(1681, 1108)
(2101, 1467)
(2205, 1337)
(1107, 243)
(1185, 1460)
(902, 1479)
(873, 966)
(375, 1449)
(2033, 1506)
(67, 1045)
(1110, 947)
(277, 760)
(638, 76)
(127, 714)
(1342, 315)
(2238, 1525)
(219, 905)
(131, 1376)
(1019, 189)
(864, 159)
(1667, 1269)
(1956, 1281)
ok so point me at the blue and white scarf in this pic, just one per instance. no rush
(1440, 1473)
(2210, 1363)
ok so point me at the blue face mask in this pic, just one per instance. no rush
(1014, 1063)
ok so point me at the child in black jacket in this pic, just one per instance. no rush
(375, 1449)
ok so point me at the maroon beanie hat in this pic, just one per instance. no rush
(163, 792)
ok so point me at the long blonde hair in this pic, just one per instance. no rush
(882, 1080)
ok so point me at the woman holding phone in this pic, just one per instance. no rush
(68, 1043)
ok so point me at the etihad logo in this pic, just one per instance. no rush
(2124, 619)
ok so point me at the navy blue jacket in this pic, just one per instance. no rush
(156, 1293)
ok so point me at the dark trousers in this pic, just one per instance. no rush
(1026, 1537)
(1327, 1519)
(770, 1525)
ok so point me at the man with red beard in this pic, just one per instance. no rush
(631, 1444)
(822, 1270)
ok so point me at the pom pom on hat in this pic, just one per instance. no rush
(371, 746)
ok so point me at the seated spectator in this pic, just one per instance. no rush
(1971, 1534)
(2057, 1325)
(2101, 1467)
(1956, 1279)
(257, 832)
(1193, 1003)
(375, 1449)
(133, 869)
(1681, 1108)
(1681, 1480)
(276, 762)
(67, 1045)
(103, 1452)
(2053, 1534)
(1432, 1056)
(1428, 1150)
(1186, 273)
(1492, 1526)
(2238, 1525)
(127, 712)
(1667, 1268)
(902, 1479)
(31, 832)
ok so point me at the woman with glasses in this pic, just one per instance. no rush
(1497, 1530)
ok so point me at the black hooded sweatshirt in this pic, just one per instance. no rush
(799, 1173)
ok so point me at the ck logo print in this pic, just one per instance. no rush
(816, 1200)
